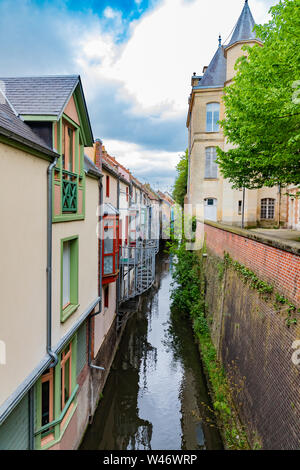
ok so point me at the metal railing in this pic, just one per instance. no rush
(137, 269)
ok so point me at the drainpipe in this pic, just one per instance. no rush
(243, 208)
(51, 353)
(31, 419)
(279, 204)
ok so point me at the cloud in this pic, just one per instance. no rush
(165, 47)
(136, 75)
(154, 166)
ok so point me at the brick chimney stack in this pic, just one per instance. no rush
(98, 154)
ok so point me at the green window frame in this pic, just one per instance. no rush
(50, 434)
(69, 177)
(70, 274)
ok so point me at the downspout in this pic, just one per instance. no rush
(279, 204)
(243, 208)
(51, 353)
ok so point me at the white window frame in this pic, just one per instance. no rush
(267, 208)
(212, 117)
(211, 167)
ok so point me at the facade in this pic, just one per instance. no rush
(293, 209)
(214, 195)
(62, 262)
(46, 353)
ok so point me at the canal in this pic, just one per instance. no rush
(156, 395)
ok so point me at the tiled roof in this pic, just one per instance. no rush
(13, 126)
(244, 28)
(215, 74)
(40, 95)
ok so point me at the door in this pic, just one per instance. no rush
(210, 209)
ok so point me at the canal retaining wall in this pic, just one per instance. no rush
(251, 333)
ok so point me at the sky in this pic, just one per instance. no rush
(135, 59)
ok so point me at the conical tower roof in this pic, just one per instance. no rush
(244, 27)
(215, 74)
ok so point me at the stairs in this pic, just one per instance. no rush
(138, 276)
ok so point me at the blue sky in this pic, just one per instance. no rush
(135, 58)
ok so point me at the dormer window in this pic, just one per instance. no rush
(212, 117)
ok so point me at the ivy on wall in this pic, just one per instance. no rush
(281, 304)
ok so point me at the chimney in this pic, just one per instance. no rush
(98, 154)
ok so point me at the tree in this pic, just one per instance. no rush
(263, 106)
(180, 186)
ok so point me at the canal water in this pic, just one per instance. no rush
(155, 397)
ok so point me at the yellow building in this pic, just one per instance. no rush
(211, 196)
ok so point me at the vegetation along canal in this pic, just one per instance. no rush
(156, 395)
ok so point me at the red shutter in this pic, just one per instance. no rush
(107, 186)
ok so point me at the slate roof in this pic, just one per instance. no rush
(215, 74)
(46, 95)
(109, 209)
(12, 126)
(244, 28)
(90, 166)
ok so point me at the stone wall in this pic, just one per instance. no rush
(251, 336)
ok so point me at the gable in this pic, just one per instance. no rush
(71, 111)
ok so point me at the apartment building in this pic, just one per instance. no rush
(209, 193)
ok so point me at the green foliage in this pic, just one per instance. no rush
(263, 106)
(263, 288)
(180, 186)
(249, 276)
(188, 297)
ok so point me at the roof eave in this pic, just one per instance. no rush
(31, 145)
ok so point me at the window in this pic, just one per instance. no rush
(107, 186)
(212, 117)
(69, 178)
(240, 207)
(106, 297)
(211, 167)
(66, 375)
(66, 274)
(210, 202)
(56, 398)
(110, 246)
(69, 277)
(68, 147)
(267, 208)
(127, 193)
(47, 397)
(132, 229)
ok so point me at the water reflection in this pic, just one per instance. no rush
(155, 397)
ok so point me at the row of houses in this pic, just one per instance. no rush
(79, 240)
(207, 189)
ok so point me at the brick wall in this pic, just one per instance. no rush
(252, 338)
(278, 267)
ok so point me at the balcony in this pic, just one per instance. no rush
(69, 192)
